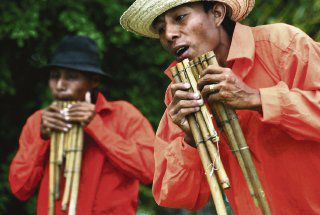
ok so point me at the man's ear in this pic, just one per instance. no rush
(219, 11)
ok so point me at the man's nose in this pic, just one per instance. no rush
(171, 32)
(61, 84)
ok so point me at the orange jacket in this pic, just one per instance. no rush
(284, 63)
(118, 154)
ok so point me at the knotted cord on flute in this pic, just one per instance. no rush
(211, 170)
(200, 142)
(243, 148)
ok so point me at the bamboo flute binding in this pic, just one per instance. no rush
(200, 139)
(65, 149)
(236, 140)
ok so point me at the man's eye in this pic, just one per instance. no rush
(160, 30)
(180, 17)
(54, 75)
(71, 77)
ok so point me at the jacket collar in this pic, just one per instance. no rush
(242, 49)
(242, 44)
(102, 104)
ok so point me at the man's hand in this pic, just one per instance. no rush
(81, 112)
(53, 119)
(61, 120)
(221, 84)
(183, 103)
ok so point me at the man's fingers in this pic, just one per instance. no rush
(213, 69)
(179, 86)
(83, 106)
(182, 113)
(188, 104)
(49, 115)
(184, 95)
(210, 89)
(210, 79)
(56, 125)
(88, 97)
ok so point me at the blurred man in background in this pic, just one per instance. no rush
(118, 139)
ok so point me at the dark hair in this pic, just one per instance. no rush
(227, 23)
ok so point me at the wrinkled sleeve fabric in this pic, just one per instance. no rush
(179, 179)
(294, 103)
(127, 145)
(27, 167)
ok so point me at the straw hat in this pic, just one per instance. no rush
(140, 15)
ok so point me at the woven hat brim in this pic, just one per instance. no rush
(138, 18)
(140, 15)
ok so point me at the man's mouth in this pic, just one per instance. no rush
(64, 97)
(179, 51)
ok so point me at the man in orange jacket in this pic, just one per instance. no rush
(118, 139)
(270, 74)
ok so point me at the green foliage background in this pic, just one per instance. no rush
(30, 30)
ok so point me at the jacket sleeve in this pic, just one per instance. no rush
(179, 179)
(27, 167)
(128, 146)
(294, 103)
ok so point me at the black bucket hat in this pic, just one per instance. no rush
(78, 53)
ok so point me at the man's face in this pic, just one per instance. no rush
(187, 31)
(66, 84)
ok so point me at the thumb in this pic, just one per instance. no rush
(88, 97)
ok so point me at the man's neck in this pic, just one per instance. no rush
(222, 51)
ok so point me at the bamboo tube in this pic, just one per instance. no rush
(61, 139)
(76, 171)
(242, 146)
(207, 116)
(205, 159)
(244, 150)
(194, 70)
(59, 158)
(52, 173)
(66, 151)
(70, 162)
(186, 76)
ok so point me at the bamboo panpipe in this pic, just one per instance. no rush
(205, 124)
(231, 127)
(203, 138)
(65, 148)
